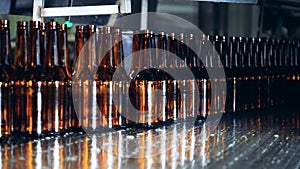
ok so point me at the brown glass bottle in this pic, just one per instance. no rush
(146, 58)
(173, 92)
(163, 77)
(35, 84)
(91, 55)
(56, 82)
(203, 81)
(79, 44)
(112, 51)
(64, 64)
(20, 61)
(82, 82)
(6, 82)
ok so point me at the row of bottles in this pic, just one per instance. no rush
(261, 72)
(35, 95)
(43, 92)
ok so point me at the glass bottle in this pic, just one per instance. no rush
(91, 37)
(184, 82)
(173, 92)
(143, 78)
(219, 57)
(56, 82)
(243, 76)
(83, 83)
(146, 58)
(204, 81)
(161, 58)
(79, 44)
(118, 85)
(35, 83)
(21, 117)
(7, 113)
(63, 53)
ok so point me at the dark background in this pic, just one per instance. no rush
(268, 18)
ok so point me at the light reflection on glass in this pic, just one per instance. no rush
(180, 147)
(1, 161)
(120, 149)
(183, 145)
(110, 156)
(163, 155)
(149, 159)
(56, 154)
(203, 138)
(38, 159)
(94, 151)
(174, 151)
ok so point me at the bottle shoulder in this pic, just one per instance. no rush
(56, 73)
(35, 73)
(6, 73)
(83, 73)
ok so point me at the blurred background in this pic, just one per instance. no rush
(279, 19)
(250, 18)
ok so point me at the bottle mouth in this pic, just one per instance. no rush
(79, 28)
(42, 25)
(4, 23)
(91, 28)
(117, 30)
(62, 27)
(107, 29)
(22, 24)
(34, 24)
(52, 25)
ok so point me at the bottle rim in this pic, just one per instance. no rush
(4, 23)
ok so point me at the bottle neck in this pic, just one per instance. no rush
(63, 48)
(146, 55)
(135, 48)
(91, 42)
(108, 60)
(36, 46)
(118, 50)
(21, 47)
(52, 48)
(6, 57)
(161, 53)
(79, 44)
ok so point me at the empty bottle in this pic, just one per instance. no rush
(21, 118)
(36, 90)
(56, 86)
(6, 97)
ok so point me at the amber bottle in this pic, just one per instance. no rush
(82, 82)
(21, 118)
(35, 84)
(56, 78)
(7, 125)
(63, 53)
